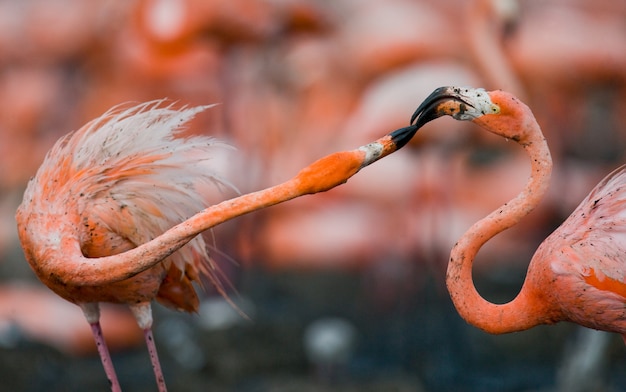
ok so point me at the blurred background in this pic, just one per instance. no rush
(345, 290)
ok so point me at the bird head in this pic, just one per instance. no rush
(496, 111)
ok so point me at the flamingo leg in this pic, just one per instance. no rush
(154, 358)
(143, 314)
(92, 313)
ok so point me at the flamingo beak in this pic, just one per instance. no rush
(443, 101)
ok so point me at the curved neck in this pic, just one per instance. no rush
(515, 315)
(320, 176)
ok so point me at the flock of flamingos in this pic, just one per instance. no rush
(116, 210)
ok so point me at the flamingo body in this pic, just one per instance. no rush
(118, 182)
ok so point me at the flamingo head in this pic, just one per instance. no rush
(497, 111)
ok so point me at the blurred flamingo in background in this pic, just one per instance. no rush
(123, 180)
(488, 24)
(578, 273)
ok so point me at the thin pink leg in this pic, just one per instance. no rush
(105, 357)
(91, 310)
(143, 315)
(154, 358)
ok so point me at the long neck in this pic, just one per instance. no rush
(515, 315)
(322, 175)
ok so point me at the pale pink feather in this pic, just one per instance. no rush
(135, 159)
(590, 245)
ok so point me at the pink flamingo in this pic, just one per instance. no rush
(577, 274)
(96, 220)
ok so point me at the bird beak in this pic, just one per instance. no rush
(462, 103)
(443, 101)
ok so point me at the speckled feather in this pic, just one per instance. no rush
(586, 254)
(129, 176)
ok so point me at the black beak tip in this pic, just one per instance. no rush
(422, 114)
(402, 136)
(428, 111)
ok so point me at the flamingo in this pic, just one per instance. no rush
(577, 274)
(96, 220)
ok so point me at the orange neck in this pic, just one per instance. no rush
(521, 313)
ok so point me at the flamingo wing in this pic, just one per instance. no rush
(587, 255)
(599, 225)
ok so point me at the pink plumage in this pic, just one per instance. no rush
(118, 182)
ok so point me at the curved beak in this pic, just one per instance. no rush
(443, 101)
